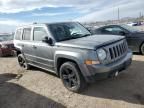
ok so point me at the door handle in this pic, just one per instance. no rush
(22, 45)
(34, 46)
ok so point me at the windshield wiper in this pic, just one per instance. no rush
(86, 35)
(70, 38)
(75, 37)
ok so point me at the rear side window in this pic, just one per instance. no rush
(18, 34)
(39, 33)
(113, 29)
(26, 33)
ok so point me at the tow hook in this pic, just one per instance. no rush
(116, 74)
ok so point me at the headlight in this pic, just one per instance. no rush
(4, 46)
(102, 54)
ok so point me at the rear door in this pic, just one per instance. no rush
(27, 44)
(127, 35)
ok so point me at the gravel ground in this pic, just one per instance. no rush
(39, 89)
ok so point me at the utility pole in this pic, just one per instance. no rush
(140, 15)
(118, 14)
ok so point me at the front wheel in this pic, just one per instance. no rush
(71, 77)
(22, 62)
(142, 49)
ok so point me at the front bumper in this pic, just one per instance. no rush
(7, 52)
(100, 71)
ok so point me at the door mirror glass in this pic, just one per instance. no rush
(48, 40)
(122, 33)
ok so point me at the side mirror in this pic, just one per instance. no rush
(47, 40)
(89, 29)
(122, 33)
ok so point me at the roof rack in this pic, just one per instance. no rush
(35, 23)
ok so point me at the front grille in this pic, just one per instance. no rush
(115, 51)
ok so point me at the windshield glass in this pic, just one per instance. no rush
(67, 31)
(129, 28)
(6, 37)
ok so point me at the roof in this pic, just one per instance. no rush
(35, 23)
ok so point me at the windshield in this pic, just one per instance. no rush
(6, 37)
(67, 31)
(129, 28)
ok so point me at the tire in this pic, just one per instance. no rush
(72, 78)
(22, 62)
(142, 49)
(1, 53)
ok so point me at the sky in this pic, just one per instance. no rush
(15, 13)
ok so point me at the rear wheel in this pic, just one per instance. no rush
(71, 77)
(22, 62)
(142, 49)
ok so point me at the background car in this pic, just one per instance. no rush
(139, 23)
(135, 38)
(132, 24)
(6, 45)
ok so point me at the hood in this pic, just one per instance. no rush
(90, 42)
(6, 42)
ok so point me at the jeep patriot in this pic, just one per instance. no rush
(70, 51)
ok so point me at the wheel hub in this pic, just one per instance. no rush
(21, 62)
(69, 78)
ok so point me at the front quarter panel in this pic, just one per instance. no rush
(77, 55)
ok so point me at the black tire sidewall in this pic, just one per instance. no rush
(79, 76)
(1, 53)
(26, 65)
(142, 49)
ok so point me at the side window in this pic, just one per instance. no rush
(27, 34)
(113, 29)
(108, 29)
(39, 33)
(18, 34)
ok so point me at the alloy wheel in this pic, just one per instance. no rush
(21, 62)
(69, 77)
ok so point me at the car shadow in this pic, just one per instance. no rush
(128, 86)
(137, 53)
(15, 96)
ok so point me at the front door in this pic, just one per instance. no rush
(132, 43)
(43, 51)
(116, 30)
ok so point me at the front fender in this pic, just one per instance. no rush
(74, 56)
(78, 56)
(69, 55)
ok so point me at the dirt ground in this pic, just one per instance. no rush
(39, 89)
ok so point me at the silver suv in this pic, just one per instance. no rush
(71, 52)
